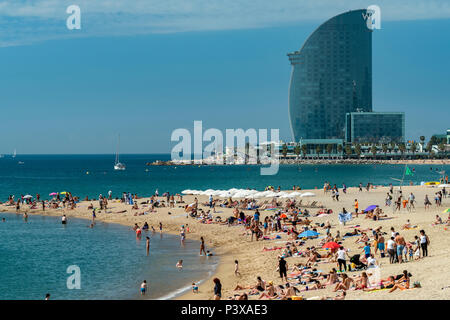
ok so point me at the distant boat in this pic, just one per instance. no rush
(21, 162)
(14, 154)
(117, 164)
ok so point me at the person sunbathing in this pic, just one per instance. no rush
(438, 220)
(313, 258)
(269, 293)
(316, 286)
(340, 296)
(402, 283)
(345, 284)
(363, 238)
(332, 277)
(290, 291)
(362, 282)
(260, 286)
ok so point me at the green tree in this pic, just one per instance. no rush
(329, 149)
(413, 148)
(284, 150)
(374, 150)
(358, 150)
(348, 150)
(297, 150)
(384, 147)
(441, 147)
(304, 150)
(318, 150)
(402, 148)
(339, 149)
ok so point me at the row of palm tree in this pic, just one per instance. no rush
(356, 149)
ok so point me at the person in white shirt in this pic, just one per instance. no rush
(371, 262)
(341, 253)
(391, 249)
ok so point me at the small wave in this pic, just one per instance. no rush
(182, 290)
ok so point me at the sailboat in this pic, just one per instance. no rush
(117, 164)
(14, 154)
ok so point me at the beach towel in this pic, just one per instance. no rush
(345, 217)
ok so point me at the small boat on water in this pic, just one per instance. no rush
(117, 164)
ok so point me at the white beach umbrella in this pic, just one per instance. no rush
(444, 186)
(296, 194)
(28, 196)
(207, 192)
(308, 194)
(187, 191)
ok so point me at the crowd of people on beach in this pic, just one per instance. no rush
(291, 220)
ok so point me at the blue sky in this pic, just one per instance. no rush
(145, 68)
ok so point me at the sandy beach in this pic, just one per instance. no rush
(233, 243)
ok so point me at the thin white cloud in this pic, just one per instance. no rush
(28, 21)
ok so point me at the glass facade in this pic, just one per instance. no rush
(331, 76)
(375, 127)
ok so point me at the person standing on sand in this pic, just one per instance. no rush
(236, 268)
(341, 253)
(282, 268)
(202, 246)
(424, 242)
(217, 289)
(401, 243)
(356, 205)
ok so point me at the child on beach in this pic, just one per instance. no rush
(236, 268)
(194, 288)
(143, 287)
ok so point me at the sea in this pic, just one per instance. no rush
(76, 262)
(35, 254)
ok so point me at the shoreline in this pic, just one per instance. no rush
(176, 294)
(230, 243)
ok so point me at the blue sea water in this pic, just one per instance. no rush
(35, 255)
(91, 175)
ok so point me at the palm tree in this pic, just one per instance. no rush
(339, 149)
(284, 150)
(441, 147)
(297, 150)
(304, 150)
(348, 150)
(413, 148)
(385, 149)
(373, 149)
(329, 149)
(429, 149)
(318, 150)
(358, 150)
(402, 148)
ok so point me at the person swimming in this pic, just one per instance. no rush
(179, 264)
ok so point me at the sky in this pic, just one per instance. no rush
(146, 68)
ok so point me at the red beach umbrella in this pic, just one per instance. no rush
(331, 245)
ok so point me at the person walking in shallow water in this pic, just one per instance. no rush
(202, 246)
